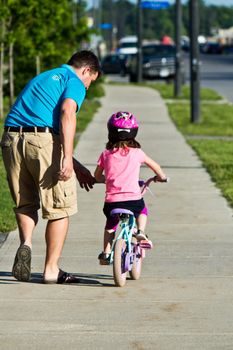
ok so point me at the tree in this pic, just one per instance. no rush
(36, 35)
(3, 18)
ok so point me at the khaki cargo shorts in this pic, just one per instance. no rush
(32, 162)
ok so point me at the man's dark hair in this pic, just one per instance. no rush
(85, 58)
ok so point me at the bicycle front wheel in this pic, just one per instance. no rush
(135, 272)
(119, 272)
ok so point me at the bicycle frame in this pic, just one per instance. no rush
(127, 224)
(127, 253)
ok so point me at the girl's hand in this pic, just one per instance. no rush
(160, 178)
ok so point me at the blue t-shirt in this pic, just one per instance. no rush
(40, 101)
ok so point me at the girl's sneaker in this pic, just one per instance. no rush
(104, 258)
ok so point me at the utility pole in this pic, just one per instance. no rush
(194, 61)
(139, 46)
(178, 21)
(111, 25)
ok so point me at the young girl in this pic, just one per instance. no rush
(121, 162)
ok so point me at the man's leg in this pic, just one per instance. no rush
(26, 224)
(21, 269)
(55, 236)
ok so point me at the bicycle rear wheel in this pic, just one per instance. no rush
(135, 272)
(119, 272)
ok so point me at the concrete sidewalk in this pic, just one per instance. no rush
(184, 298)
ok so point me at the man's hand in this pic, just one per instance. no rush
(67, 169)
(84, 177)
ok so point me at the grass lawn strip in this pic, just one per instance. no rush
(214, 134)
(216, 120)
(217, 157)
(7, 216)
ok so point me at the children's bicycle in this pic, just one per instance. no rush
(127, 253)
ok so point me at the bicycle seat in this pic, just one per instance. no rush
(121, 211)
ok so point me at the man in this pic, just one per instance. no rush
(37, 148)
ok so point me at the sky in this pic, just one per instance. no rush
(208, 2)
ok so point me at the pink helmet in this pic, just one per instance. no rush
(122, 126)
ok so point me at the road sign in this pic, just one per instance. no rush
(155, 4)
(106, 25)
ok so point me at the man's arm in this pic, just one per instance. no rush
(67, 133)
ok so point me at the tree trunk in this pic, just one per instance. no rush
(37, 64)
(11, 73)
(1, 78)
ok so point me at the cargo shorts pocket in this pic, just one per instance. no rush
(7, 149)
(64, 194)
(6, 141)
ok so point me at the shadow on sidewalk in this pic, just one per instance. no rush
(37, 278)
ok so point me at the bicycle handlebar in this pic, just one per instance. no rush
(145, 184)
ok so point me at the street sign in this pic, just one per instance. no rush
(106, 25)
(155, 4)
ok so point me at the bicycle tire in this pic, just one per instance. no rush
(135, 272)
(118, 261)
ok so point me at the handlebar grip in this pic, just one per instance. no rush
(161, 180)
(165, 180)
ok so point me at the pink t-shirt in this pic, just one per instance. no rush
(121, 169)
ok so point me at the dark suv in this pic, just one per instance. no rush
(158, 62)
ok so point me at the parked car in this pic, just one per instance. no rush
(158, 62)
(128, 45)
(211, 47)
(114, 63)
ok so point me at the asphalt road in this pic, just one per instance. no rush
(217, 73)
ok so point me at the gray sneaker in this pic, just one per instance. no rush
(21, 269)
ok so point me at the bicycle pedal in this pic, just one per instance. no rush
(145, 244)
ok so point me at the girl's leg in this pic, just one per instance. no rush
(141, 222)
(104, 257)
(109, 233)
(141, 225)
(108, 239)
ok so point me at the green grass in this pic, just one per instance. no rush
(85, 115)
(217, 157)
(7, 217)
(167, 92)
(216, 120)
